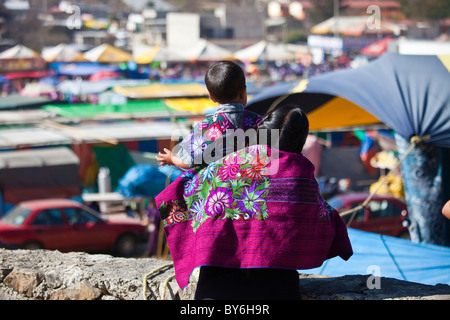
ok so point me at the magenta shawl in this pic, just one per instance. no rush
(255, 208)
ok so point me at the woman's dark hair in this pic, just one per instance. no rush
(293, 126)
(224, 80)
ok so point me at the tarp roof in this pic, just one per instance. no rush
(23, 116)
(378, 47)
(106, 53)
(26, 74)
(84, 69)
(147, 56)
(92, 110)
(37, 158)
(19, 52)
(17, 101)
(62, 53)
(161, 91)
(205, 50)
(62, 135)
(75, 87)
(194, 105)
(265, 50)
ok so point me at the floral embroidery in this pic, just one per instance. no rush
(214, 132)
(190, 184)
(173, 211)
(198, 209)
(231, 168)
(226, 191)
(252, 202)
(218, 200)
(234, 187)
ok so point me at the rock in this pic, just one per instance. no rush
(52, 275)
(81, 291)
(23, 280)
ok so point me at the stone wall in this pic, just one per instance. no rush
(52, 275)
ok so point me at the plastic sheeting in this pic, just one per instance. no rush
(386, 256)
(146, 180)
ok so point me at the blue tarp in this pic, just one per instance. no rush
(82, 68)
(146, 180)
(385, 256)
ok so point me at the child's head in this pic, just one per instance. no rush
(225, 81)
(293, 126)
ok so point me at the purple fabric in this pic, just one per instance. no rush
(251, 209)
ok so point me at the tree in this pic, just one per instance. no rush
(426, 10)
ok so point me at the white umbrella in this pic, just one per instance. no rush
(62, 53)
(19, 52)
(264, 50)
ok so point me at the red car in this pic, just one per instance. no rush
(67, 225)
(383, 214)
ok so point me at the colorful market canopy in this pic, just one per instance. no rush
(62, 53)
(83, 69)
(264, 50)
(148, 56)
(378, 47)
(38, 89)
(19, 52)
(92, 110)
(204, 50)
(163, 90)
(194, 105)
(106, 53)
(75, 87)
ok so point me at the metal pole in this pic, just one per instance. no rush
(336, 18)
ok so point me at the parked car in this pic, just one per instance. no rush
(67, 225)
(383, 214)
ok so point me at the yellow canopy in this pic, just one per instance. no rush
(339, 112)
(148, 56)
(336, 113)
(161, 91)
(194, 105)
(107, 53)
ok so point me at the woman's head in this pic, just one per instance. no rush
(292, 125)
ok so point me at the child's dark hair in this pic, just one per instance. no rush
(224, 80)
(293, 126)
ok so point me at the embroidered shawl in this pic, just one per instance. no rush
(255, 208)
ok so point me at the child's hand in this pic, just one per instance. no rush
(164, 158)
